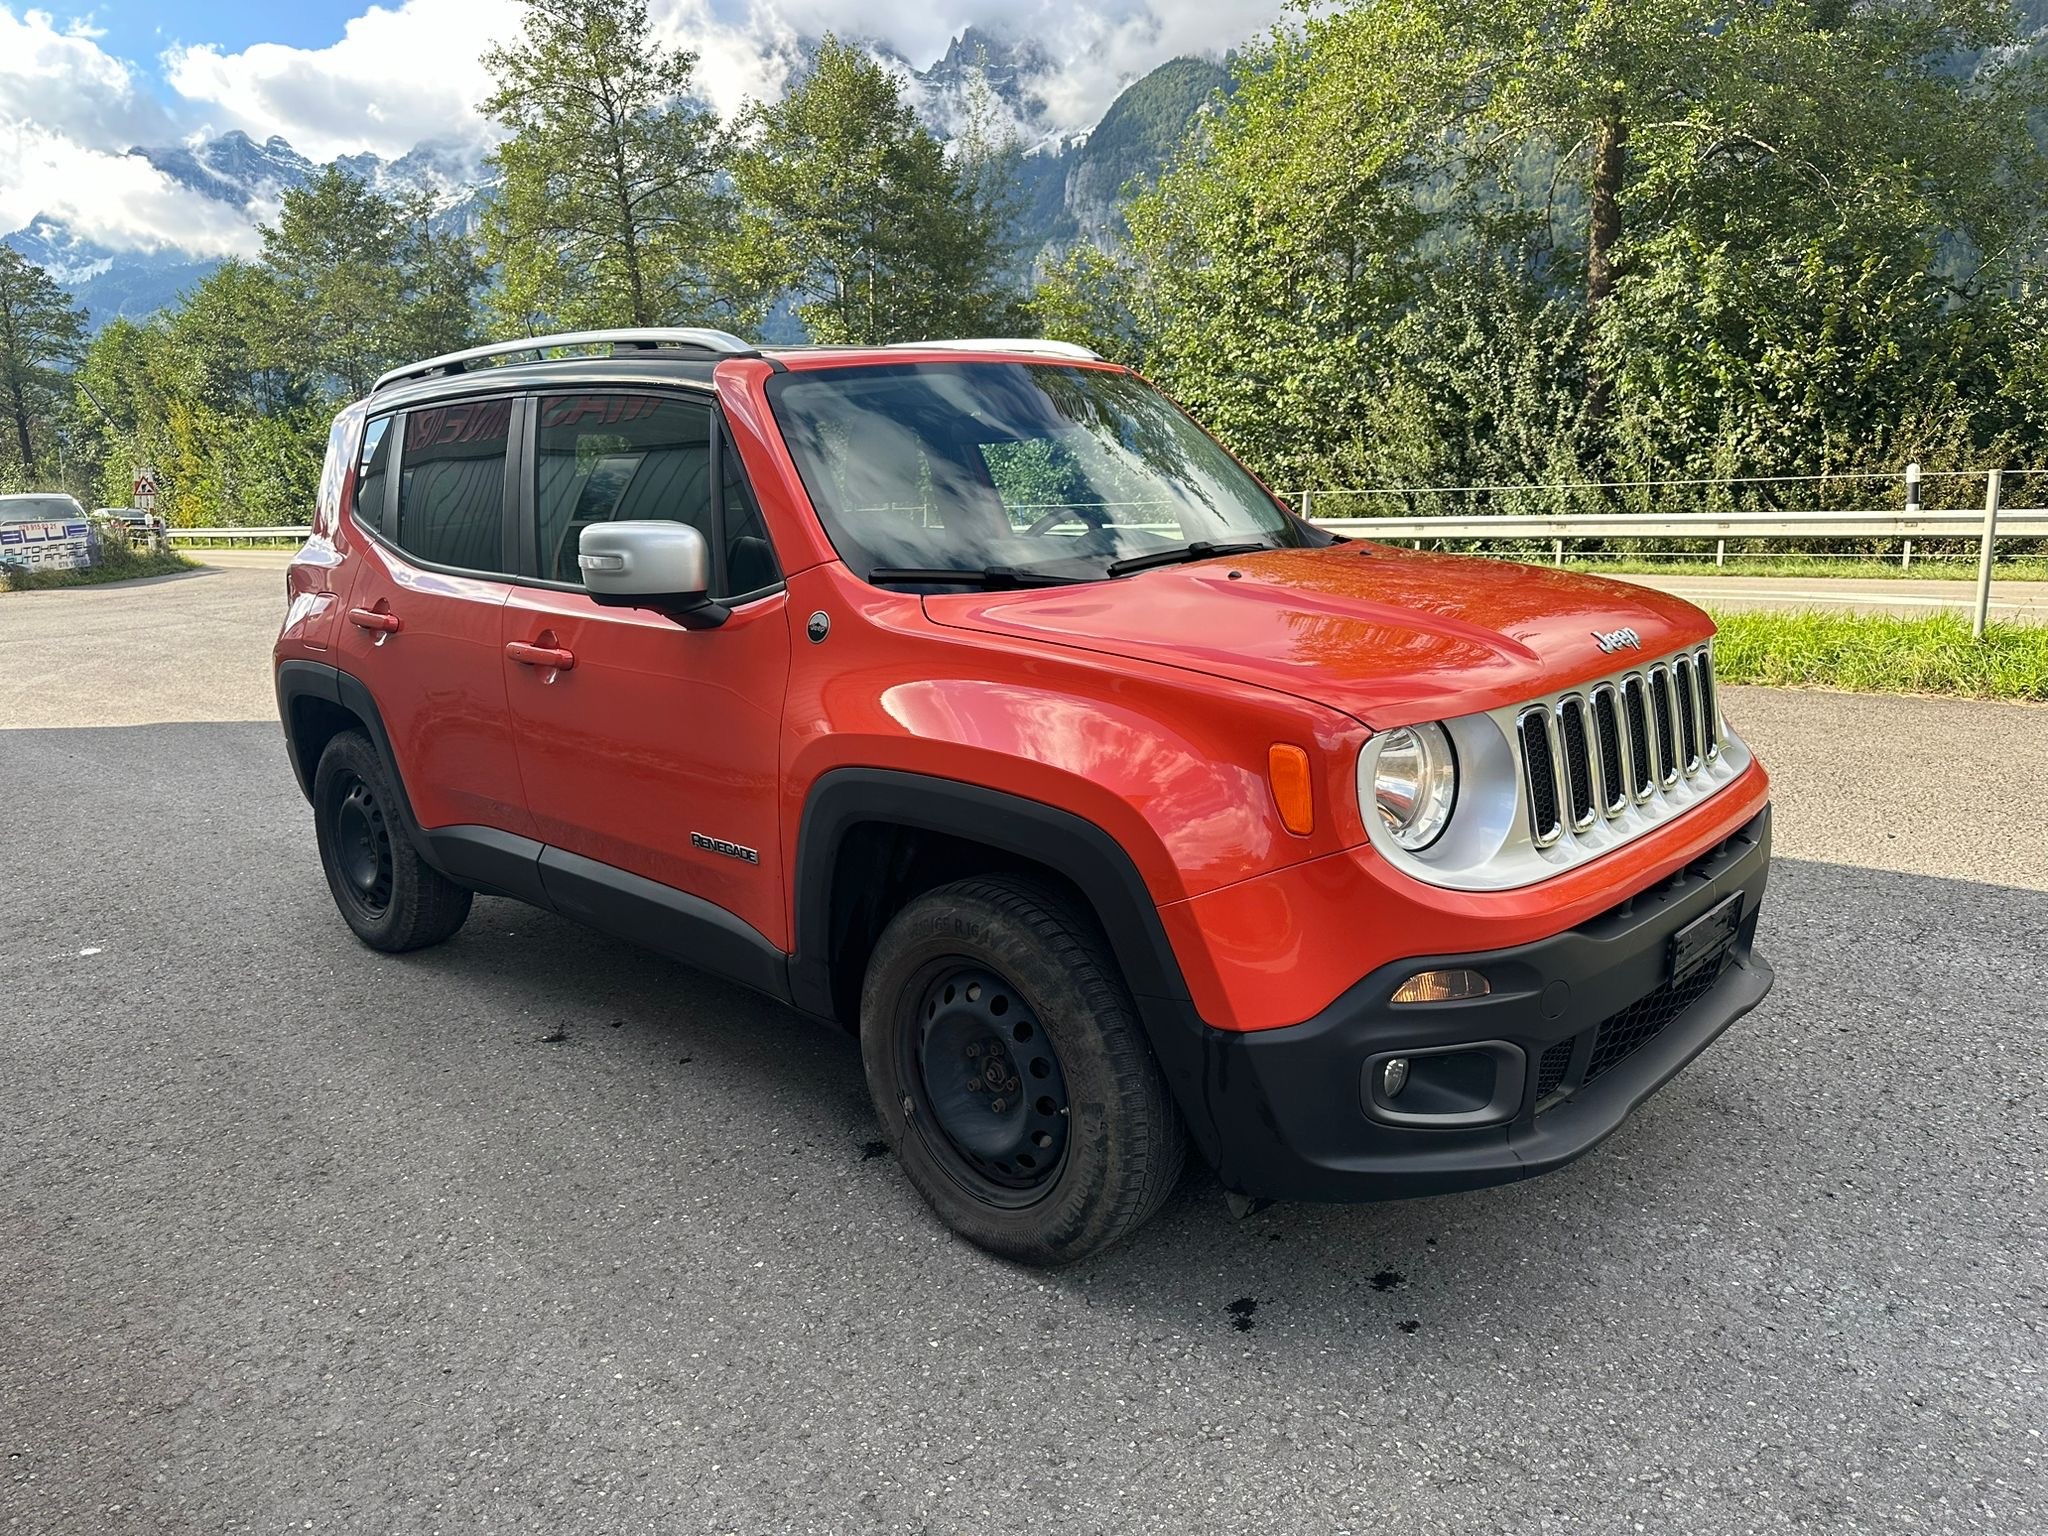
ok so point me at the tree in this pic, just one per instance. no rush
(1751, 237)
(362, 281)
(849, 205)
(606, 208)
(444, 275)
(41, 333)
(334, 251)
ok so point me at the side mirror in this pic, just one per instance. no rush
(665, 567)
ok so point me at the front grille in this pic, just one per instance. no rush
(1626, 1032)
(1586, 755)
(1550, 1070)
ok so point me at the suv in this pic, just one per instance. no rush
(968, 696)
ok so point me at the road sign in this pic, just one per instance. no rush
(144, 495)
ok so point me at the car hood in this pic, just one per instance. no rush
(1387, 635)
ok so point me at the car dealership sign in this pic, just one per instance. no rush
(49, 546)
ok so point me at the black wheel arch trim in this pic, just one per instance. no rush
(1092, 859)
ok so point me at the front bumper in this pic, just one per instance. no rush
(1284, 1113)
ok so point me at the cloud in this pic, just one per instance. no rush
(1096, 47)
(411, 72)
(68, 111)
(61, 81)
(116, 200)
(395, 77)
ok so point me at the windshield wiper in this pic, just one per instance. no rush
(993, 578)
(1201, 549)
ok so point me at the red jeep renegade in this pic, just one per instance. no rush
(968, 695)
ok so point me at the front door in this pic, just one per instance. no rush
(651, 748)
(422, 625)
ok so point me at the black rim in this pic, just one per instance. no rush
(986, 1079)
(362, 847)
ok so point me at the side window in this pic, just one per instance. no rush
(371, 471)
(451, 484)
(749, 556)
(611, 458)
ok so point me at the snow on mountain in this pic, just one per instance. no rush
(1069, 186)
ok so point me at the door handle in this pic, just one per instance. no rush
(540, 656)
(370, 618)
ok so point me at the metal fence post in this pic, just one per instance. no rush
(1912, 510)
(1721, 552)
(1557, 551)
(1991, 498)
(1304, 506)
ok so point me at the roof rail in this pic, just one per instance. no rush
(636, 338)
(1006, 344)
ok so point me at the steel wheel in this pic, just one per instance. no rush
(362, 848)
(991, 1100)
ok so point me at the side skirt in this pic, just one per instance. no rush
(615, 901)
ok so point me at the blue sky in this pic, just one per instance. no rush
(80, 85)
(143, 31)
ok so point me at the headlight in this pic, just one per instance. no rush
(1415, 784)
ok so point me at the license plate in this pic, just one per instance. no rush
(1701, 941)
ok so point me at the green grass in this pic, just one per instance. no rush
(1873, 653)
(122, 566)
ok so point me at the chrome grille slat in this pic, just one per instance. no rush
(1611, 750)
(1666, 731)
(1642, 765)
(1688, 714)
(1710, 707)
(1575, 748)
(1540, 776)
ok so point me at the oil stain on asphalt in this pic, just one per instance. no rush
(1241, 1311)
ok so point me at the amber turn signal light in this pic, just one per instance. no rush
(1287, 768)
(1442, 987)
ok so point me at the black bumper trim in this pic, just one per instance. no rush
(1280, 1111)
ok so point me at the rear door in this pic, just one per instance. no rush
(422, 625)
(655, 750)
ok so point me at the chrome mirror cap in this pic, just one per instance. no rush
(658, 565)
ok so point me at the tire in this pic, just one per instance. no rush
(391, 897)
(1049, 1155)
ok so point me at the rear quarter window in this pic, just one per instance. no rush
(334, 471)
(451, 485)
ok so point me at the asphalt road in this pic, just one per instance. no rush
(2023, 602)
(537, 1232)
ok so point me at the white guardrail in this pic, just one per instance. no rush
(1986, 523)
(236, 535)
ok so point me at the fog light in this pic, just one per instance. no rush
(1394, 1077)
(1442, 987)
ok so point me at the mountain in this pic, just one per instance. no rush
(1076, 193)
(233, 169)
(1069, 187)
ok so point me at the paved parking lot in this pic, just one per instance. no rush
(538, 1232)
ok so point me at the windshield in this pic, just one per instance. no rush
(1015, 467)
(39, 509)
